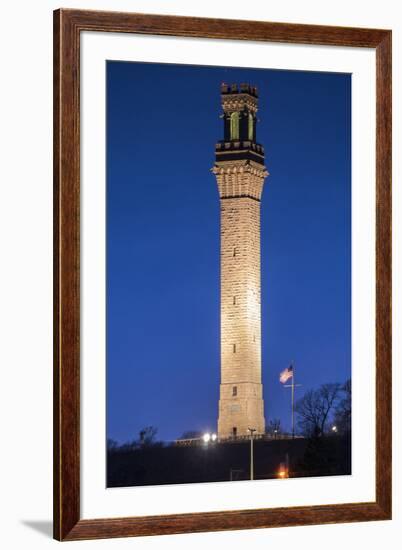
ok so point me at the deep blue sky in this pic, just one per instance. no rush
(163, 240)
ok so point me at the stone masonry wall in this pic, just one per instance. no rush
(241, 401)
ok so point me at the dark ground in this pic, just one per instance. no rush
(158, 464)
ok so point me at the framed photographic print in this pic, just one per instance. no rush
(222, 274)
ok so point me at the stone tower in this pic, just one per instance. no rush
(240, 172)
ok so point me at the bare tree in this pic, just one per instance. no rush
(343, 412)
(308, 410)
(273, 427)
(330, 397)
(314, 408)
(148, 435)
(128, 446)
(112, 445)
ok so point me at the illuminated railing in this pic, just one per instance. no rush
(237, 439)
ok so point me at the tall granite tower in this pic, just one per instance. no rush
(240, 172)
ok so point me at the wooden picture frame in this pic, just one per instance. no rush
(68, 24)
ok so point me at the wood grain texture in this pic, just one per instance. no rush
(198, 27)
(383, 276)
(67, 27)
(66, 277)
(232, 520)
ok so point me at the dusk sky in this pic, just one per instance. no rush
(163, 352)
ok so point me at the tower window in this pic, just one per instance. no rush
(234, 252)
(234, 348)
(234, 300)
(234, 125)
(250, 126)
(234, 391)
(234, 431)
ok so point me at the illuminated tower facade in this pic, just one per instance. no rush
(240, 173)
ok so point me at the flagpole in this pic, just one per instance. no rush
(289, 372)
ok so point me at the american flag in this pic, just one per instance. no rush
(286, 374)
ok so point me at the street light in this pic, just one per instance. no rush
(206, 437)
(283, 472)
(251, 430)
(213, 437)
(334, 429)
